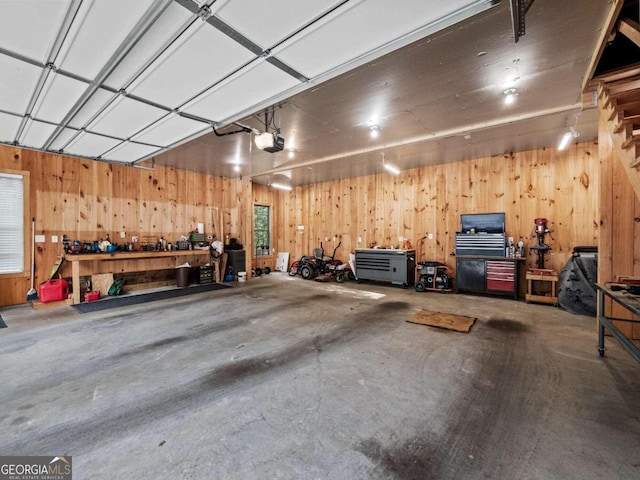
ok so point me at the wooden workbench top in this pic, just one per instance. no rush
(84, 257)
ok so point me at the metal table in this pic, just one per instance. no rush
(627, 301)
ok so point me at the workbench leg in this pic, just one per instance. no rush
(600, 325)
(75, 282)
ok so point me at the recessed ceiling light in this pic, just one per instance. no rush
(510, 95)
(236, 168)
(374, 131)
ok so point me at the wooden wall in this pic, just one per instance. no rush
(619, 249)
(86, 200)
(560, 186)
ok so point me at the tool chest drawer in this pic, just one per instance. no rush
(500, 275)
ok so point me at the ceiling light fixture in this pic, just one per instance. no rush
(567, 138)
(236, 168)
(282, 186)
(510, 96)
(374, 131)
(390, 167)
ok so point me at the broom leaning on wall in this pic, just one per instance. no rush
(32, 294)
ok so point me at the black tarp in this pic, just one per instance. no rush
(576, 285)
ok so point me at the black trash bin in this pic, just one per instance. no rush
(182, 276)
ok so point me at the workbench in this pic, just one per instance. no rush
(121, 262)
(627, 301)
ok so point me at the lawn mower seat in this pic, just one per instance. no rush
(318, 254)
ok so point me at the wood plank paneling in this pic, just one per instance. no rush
(619, 246)
(103, 198)
(87, 200)
(560, 186)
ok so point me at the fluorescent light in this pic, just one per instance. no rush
(392, 168)
(282, 186)
(567, 138)
(564, 141)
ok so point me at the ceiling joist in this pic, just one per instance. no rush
(630, 29)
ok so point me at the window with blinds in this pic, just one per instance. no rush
(11, 223)
(261, 230)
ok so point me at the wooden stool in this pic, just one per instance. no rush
(548, 279)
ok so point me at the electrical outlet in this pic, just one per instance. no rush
(54, 238)
(134, 239)
(401, 239)
(123, 234)
(430, 236)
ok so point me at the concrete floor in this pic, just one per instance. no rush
(285, 378)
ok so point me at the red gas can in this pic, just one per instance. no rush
(92, 296)
(53, 290)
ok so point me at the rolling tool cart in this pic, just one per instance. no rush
(386, 265)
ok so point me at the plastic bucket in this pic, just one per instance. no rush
(242, 276)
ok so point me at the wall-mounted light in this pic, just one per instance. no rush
(510, 96)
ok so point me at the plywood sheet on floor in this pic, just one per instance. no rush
(449, 321)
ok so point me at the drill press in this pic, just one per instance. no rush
(541, 249)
